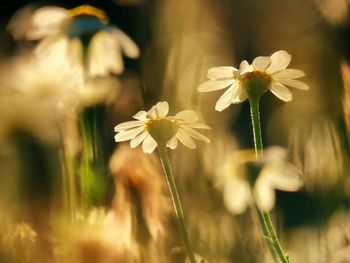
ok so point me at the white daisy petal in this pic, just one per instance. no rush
(129, 47)
(235, 94)
(172, 144)
(281, 91)
(221, 72)
(75, 54)
(261, 63)
(288, 74)
(149, 144)
(49, 16)
(240, 95)
(279, 61)
(162, 109)
(244, 67)
(198, 126)
(265, 196)
(282, 176)
(187, 115)
(212, 85)
(138, 139)
(195, 134)
(236, 194)
(294, 83)
(185, 139)
(127, 135)
(141, 115)
(128, 125)
(225, 99)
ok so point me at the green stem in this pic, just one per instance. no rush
(163, 153)
(267, 225)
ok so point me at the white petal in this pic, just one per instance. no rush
(279, 61)
(187, 115)
(288, 74)
(138, 139)
(194, 134)
(149, 144)
(212, 85)
(235, 94)
(221, 72)
(104, 55)
(75, 54)
(172, 144)
(244, 67)
(236, 194)
(198, 126)
(129, 47)
(282, 176)
(185, 139)
(54, 49)
(127, 135)
(265, 196)
(49, 16)
(141, 115)
(160, 110)
(128, 125)
(240, 95)
(261, 63)
(281, 91)
(225, 100)
(294, 83)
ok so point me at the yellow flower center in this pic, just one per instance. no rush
(162, 130)
(88, 10)
(256, 83)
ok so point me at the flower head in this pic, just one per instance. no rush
(79, 39)
(154, 128)
(247, 179)
(251, 81)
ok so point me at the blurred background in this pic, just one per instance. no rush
(49, 212)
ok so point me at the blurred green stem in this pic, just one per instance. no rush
(266, 222)
(163, 153)
(92, 162)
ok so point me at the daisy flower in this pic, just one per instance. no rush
(251, 81)
(247, 179)
(154, 128)
(79, 39)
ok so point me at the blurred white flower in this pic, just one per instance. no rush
(79, 40)
(246, 179)
(30, 93)
(155, 127)
(253, 80)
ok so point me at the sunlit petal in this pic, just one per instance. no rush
(128, 135)
(128, 46)
(212, 85)
(221, 72)
(149, 144)
(279, 61)
(185, 139)
(128, 125)
(261, 63)
(172, 144)
(138, 139)
(187, 115)
(195, 134)
(294, 83)
(281, 91)
(288, 74)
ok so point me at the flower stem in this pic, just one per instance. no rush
(163, 153)
(266, 222)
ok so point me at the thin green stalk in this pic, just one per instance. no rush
(163, 153)
(267, 225)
